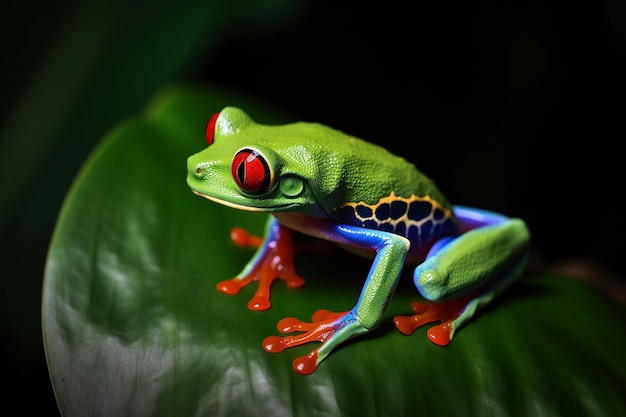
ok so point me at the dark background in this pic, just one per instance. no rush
(511, 106)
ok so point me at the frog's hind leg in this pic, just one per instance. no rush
(454, 312)
(463, 274)
(483, 297)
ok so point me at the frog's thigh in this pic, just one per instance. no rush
(491, 253)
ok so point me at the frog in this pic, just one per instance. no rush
(318, 181)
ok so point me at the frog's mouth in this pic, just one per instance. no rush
(241, 206)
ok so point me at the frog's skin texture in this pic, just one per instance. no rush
(321, 182)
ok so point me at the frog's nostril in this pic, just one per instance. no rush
(198, 171)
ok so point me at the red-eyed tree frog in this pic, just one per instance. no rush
(324, 183)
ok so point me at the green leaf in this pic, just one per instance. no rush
(133, 324)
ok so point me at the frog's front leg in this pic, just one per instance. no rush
(332, 329)
(462, 274)
(273, 259)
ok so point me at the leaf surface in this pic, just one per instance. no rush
(133, 324)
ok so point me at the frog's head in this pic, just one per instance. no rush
(252, 166)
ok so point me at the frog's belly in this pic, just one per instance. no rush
(422, 239)
(412, 257)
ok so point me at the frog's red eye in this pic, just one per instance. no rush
(209, 130)
(251, 172)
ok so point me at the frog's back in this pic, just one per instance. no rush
(378, 190)
(345, 168)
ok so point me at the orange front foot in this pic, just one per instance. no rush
(273, 260)
(445, 313)
(242, 238)
(324, 327)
